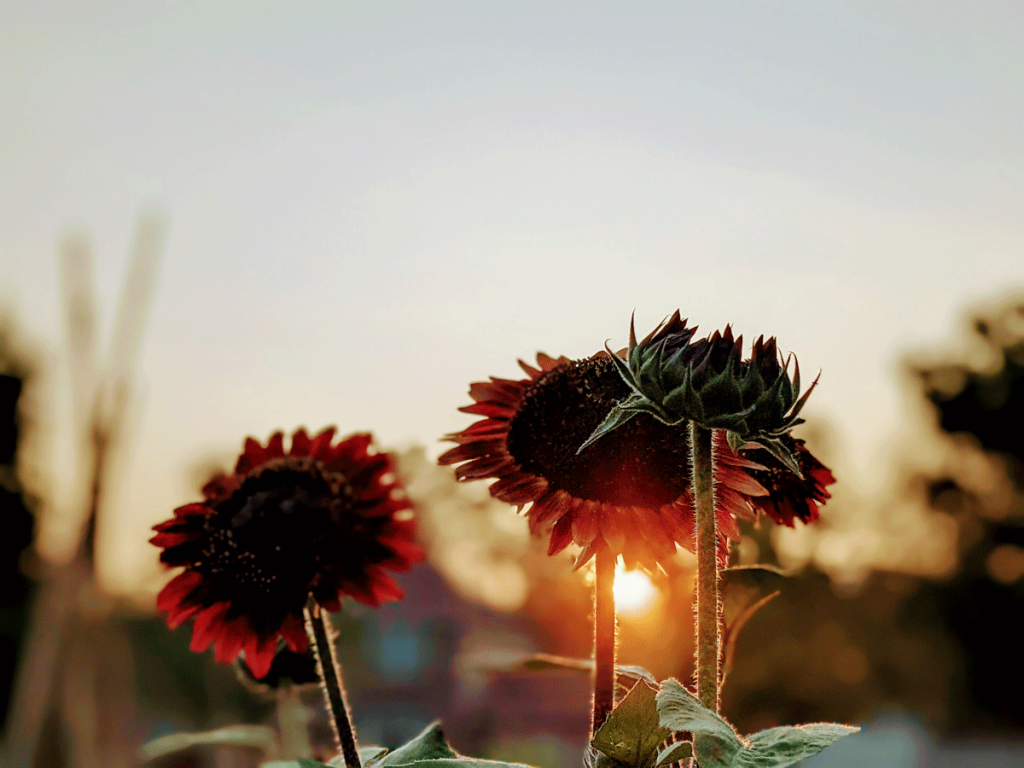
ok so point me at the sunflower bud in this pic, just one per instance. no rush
(709, 382)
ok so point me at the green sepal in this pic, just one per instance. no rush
(721, 395)
(735, 440)
(782, 453)
(649, 377)
(616, 417)
(623, 369)
(632, 733)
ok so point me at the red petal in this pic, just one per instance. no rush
(561, 535)
(294, 633)
(485, 466)
(529, 370)
(300, 443)
(584, 526)
(275, 447)
(253, 454)
(406, 553)
(165, 540)
(321, 445)
(502, 391)
(177, 590)
(474, 450)
(177, 615)
(259, 655)
(192, 509)
(519, 488)
(207, 627)
(386, 589)
(547, 362)
(489, 409)
(232, 637)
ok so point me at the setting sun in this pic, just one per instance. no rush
(634, 591)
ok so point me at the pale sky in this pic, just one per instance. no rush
(372, 204)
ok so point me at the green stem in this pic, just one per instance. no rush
(321, 641)
(708, 608)
(604, 637)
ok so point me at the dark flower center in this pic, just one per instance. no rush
(643, 463)
(266, 543)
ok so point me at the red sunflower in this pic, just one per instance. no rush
(791, 497)
(629, 491)
(320, 519)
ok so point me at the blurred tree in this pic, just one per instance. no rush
(981, 408)
(16, 517)
(942, 645)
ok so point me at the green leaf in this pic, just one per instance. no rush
(673, 753)
(429, 745)
(780, 747)
(455, 762)
(632, 732)
(367, 756)
(259, 737)
(715, 742)
(626, 675)
(300, 763)
(428, 750)
(743, 585)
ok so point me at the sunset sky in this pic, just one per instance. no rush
(371, 204)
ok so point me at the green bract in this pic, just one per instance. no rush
(708, 382)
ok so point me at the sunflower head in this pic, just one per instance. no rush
(676, 380)
(628, 493)
(321, 519)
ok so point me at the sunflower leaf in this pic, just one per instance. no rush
(632, 732)
(259, 737)
(781, 747)
(715, 741)
(674, 753)
(429, 745)
(452, 762)
(366, 755)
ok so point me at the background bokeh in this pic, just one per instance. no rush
(229, 218)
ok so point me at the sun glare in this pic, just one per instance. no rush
(634, 592)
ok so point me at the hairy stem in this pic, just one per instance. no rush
(708, 608)
(604, 638)
(321, 641)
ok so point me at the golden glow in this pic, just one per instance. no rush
(634, 591)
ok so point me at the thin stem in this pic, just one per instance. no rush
(321, 641)
(292, 721)
(708, 609)
(604, 637)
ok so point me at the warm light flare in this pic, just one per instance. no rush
(634, 591)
